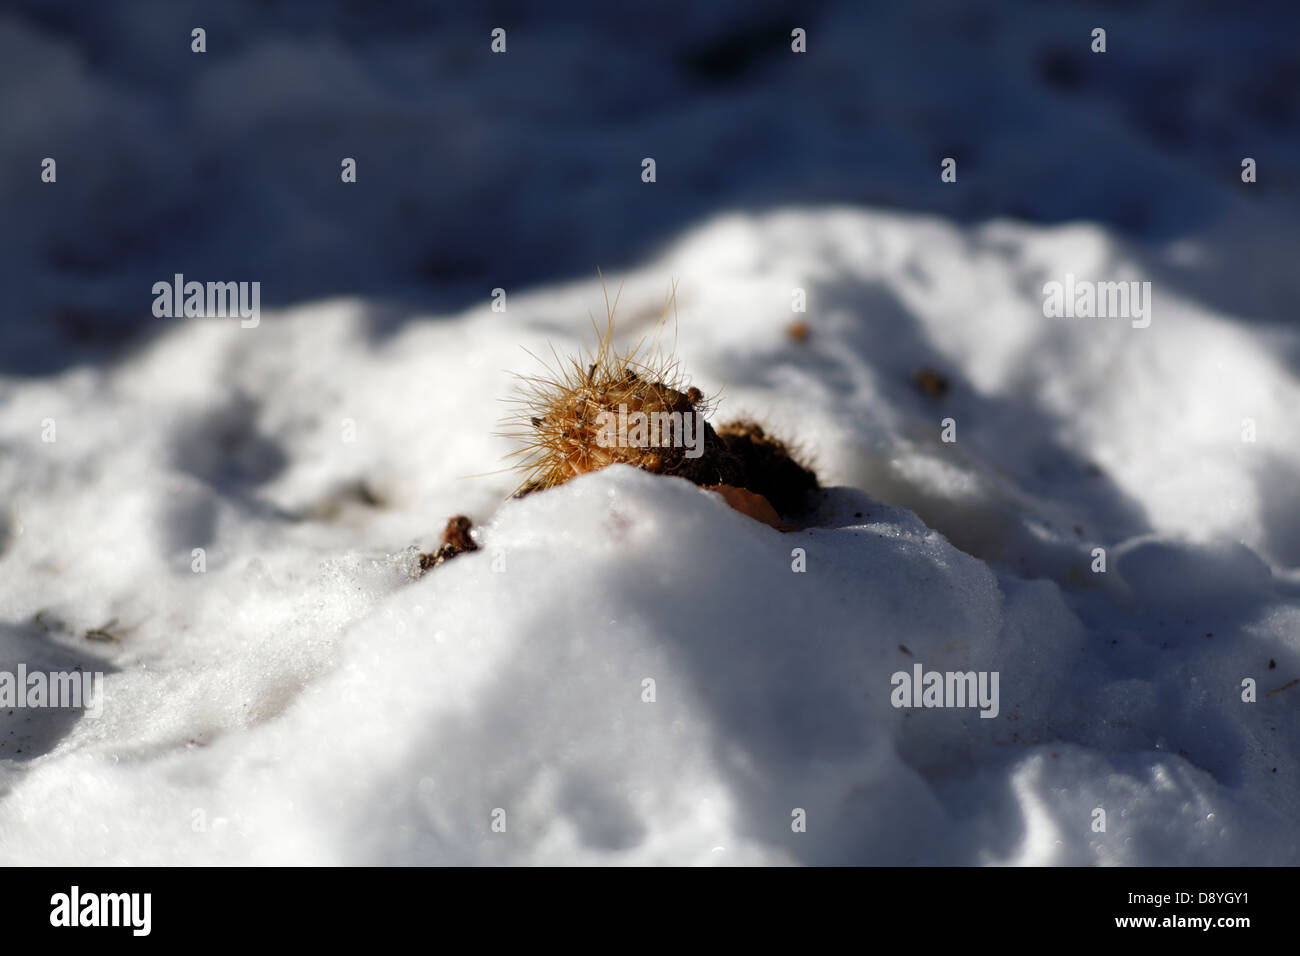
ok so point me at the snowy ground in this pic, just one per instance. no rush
(306, 699)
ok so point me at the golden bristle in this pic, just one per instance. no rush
(558, 410)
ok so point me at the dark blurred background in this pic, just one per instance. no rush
(478, 170)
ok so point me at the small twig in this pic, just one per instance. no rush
(104, 632)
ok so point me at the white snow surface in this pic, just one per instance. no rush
(307, 699)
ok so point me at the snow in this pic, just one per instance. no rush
(309, 699)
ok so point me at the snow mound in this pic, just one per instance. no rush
(308, 699)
